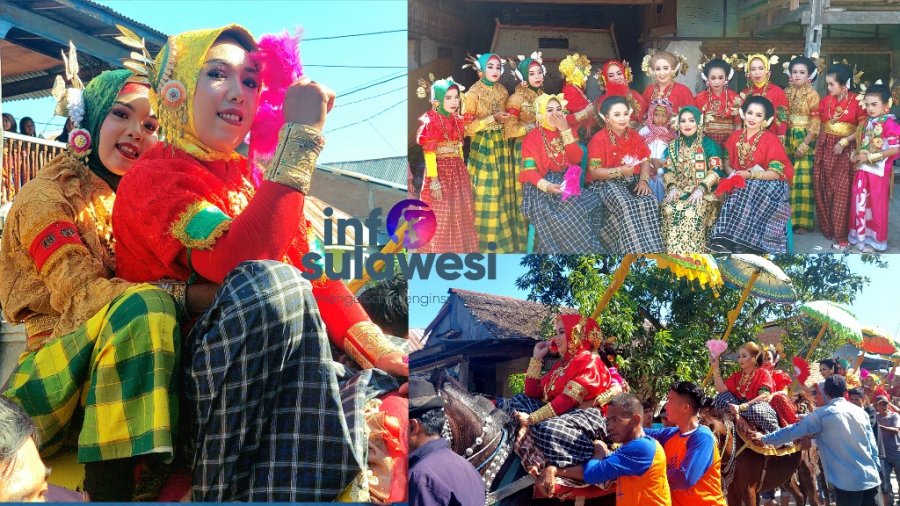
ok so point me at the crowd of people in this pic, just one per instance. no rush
(173, 330)
(662, 170)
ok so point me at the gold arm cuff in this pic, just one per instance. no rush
(544, 413)
(542, 184)
(40, 324)
(295, 158)
(567, 136)
(876, 157)
(839, 128)
(574, 390)
(582, 114)
(363, 340)
(604, 398)
(534, 369)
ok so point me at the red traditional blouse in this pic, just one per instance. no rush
(577, 101)
(780, 379)
(720, 107)
(538, 160)
(438, 129)
(570, 382)
(175, 215)
(765, 150)
(779, 100)
(845, 111)
(760, 381)
(608, 150)
(676, 93)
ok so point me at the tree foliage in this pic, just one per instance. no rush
(661, 323)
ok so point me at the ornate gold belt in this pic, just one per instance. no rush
(839, 128)
(798, 121)
(719, 126)
(448, 150)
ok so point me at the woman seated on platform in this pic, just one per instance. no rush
(619, 171)
(746, 392)
(563, 214)
(756, 208)
(562, 407)
(692, 170)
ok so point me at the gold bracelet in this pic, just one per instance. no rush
(542, 185)
(614, 173)
(604, 398)
(743, 407)
(295, 158)
(844, 142)
(534, 369)
(365, 339)
(876, 157)
(567, 136)
(645, 177)
(544, 413)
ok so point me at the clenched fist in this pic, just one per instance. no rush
(307, 103)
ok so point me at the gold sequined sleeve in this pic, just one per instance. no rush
(515, 127)
(477, 118)
(812, 100)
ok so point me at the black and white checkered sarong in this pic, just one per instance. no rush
(628, 223)
(565, 440)
(563, 227)
(269, 419)
(761, 414)
(753, 219)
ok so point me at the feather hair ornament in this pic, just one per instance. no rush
(278, 59)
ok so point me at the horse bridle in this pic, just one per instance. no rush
(728, 470)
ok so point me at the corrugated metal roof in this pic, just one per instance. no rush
(392, 170)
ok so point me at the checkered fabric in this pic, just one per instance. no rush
(454, 213)
(832, 184)
(803, 204)
(267, 415)
(515, 196)
(565, 440)
(492, 179)
(760, 415)
(718, 137)
(753, 219)
(629, 224)
(120, 367)
(570, 227)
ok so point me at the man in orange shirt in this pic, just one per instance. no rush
(694, 470)
(638, 466)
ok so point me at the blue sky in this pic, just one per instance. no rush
(877, 305)
(381, 136)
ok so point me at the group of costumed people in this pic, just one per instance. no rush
(167, 320)
(667, 172)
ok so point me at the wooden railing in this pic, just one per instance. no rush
(23, 156)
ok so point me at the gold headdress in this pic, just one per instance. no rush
(679, 65)
(575, 69)
(818, 60)
(732, 60)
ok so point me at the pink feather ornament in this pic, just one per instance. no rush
(278, 60)
(716, 347)
(571, 186)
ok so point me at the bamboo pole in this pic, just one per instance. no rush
(815, 342)
(618, 279)
(392, 247)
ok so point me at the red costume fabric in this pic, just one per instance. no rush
(264, 223)
(608, 150)
(676, 93)
(760, 381)
(577, 101)
(779, 100)
(769, 154)
(578, 376)
(536, 159)
(719, 116)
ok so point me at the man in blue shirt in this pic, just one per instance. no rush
(437, 476)
(845, 442)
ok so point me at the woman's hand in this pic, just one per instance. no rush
(501, 116)
(714, 364)
(396, 364)
(673, 194)
(838, 148)
(734, 409)
(540, 350)
(308, 103)
(436, 195)
(555, 189)
(522, 418)
(558, 120)
(643, 189)
(696, 196)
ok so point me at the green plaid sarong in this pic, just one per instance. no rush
(513, 196)
(492, 177)
(803, 200)
(120, 366)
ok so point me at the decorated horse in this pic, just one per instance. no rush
(749, 469)
(485, 435)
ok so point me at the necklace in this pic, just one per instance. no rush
(745, 148)
(716, 103)
(840, 108)
(763, 93)
(554, 150)
(658, 93)
(445, 130)
(744, 383)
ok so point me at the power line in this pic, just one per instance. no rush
(353, 35)
(370, 85)
(358, 66)
(370, 98)
(367, 119)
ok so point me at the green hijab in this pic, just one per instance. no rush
(99, 96)
(438, 90)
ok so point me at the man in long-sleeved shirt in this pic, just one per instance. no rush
(845, 442)
(694, 466)
(638, 466)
